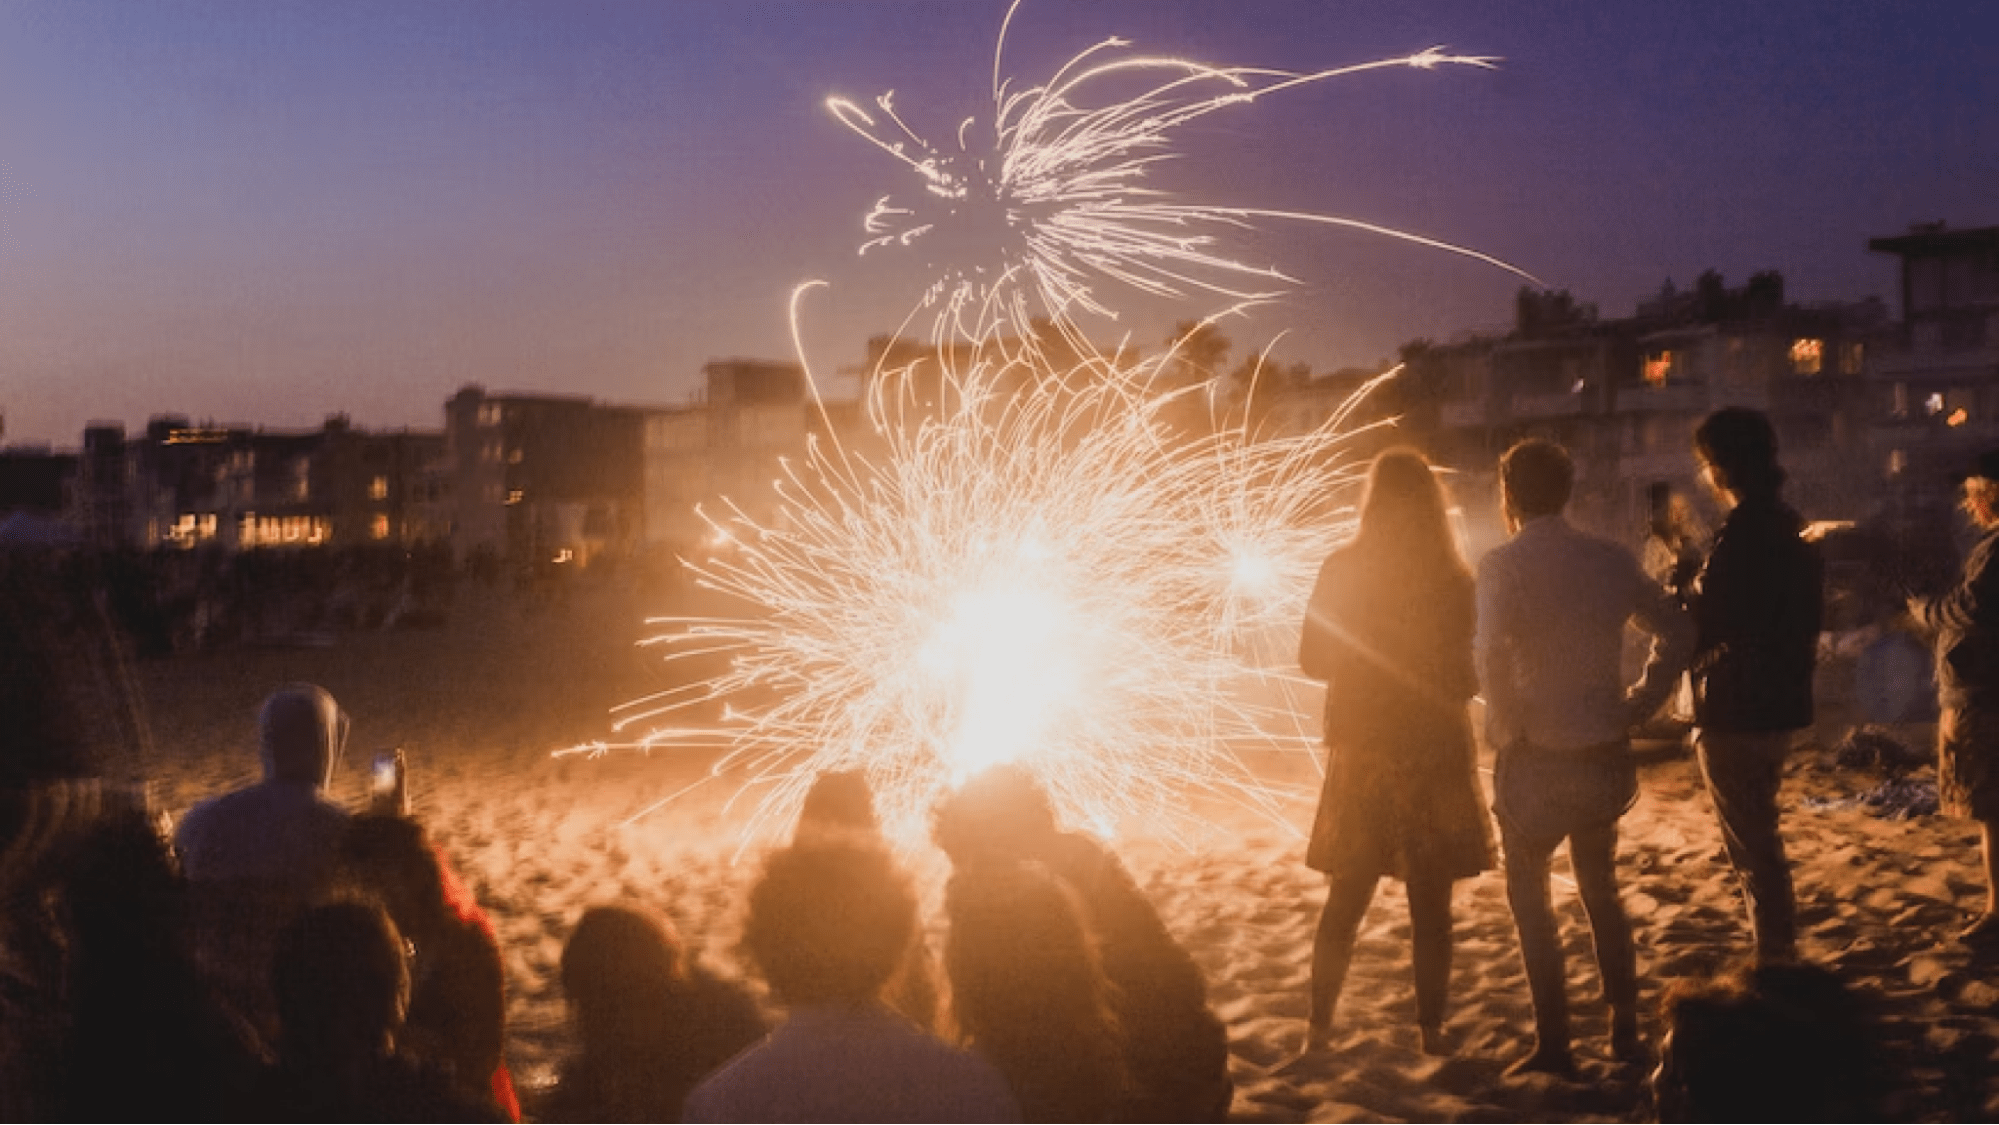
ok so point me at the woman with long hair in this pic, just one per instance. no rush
(1389, 628)
(1029, 994)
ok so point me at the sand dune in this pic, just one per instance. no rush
(480, 704)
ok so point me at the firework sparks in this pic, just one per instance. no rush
(1027, 563)
(1064, 186)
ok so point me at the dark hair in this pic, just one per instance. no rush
(340, 978)
(1001, 813)
(1029, 992)
(1536, 477)
(829, 921)
(1768, 1043)
(1404, 513)
(1743, 445)
(619, 961)
(391, 858)
(839, 801)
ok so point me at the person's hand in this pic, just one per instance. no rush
(394, 799)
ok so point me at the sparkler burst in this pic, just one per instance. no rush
(1025, 559)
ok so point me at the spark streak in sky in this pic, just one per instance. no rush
(1025, 552)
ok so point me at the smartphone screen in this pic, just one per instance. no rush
(384, 775)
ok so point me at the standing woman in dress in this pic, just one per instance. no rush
(1389, 629)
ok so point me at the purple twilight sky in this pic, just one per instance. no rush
(268, 212)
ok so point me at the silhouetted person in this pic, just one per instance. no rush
(1176, 1051)
(828, 923)
(256, 855)
(1389, 628)
(1552, 607)
(50, 795)
(458, 1008)
(1029, 993)
(1768, 1043)
(840, 804)
(1757, 605)
(283, 830)
(342, 987)
(147, 1039)
(650, 1023)
(1966, 623)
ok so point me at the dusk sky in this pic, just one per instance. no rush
(267, 212)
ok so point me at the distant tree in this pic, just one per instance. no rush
(1763, 297)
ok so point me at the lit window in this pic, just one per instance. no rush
(514, 496)
(1898, 460)
(380, 527)
(513, 456)
(1658, 368)
(1933, 404)
(1957, 417)
(1807, 356)
(489, 414)
(1851, 358)
(378, 489)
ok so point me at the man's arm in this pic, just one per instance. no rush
(1658, 612)
(1492, 652)
(1973, 601)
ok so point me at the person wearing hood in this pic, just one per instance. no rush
(254, 857)
(282, 832)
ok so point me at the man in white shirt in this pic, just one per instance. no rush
(1552, 607)
(829, 923)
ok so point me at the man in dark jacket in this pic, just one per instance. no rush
(1966, 623)
(1757, 604)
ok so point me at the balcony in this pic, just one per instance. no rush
(1673, 398)
(1561, 405)
(1464, 414)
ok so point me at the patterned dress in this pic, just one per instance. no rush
(1401, 789)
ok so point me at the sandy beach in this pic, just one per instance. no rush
(480, 704)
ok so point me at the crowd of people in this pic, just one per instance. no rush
(277, 956)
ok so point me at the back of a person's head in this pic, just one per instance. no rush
(1405, 513)
(1769, 1043)
(1536, 477)
(341, 981)
(619, 967)
(1743, 445)
(839, 801)
(300, 732)
(391, 857)
(1002, 813)
(1019, 956)
(121, 888)
(829, 921)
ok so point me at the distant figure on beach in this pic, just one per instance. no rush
(1966, 623)
(458, 1004)
(1757, 605)
(1675, 543)
(255, 856)
(342, 986)
(1768, 1043)
(650, 1023)
(1029, 993)
(1176, 1052)
(1552, 607)
(828, 923)
(1389, 628)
